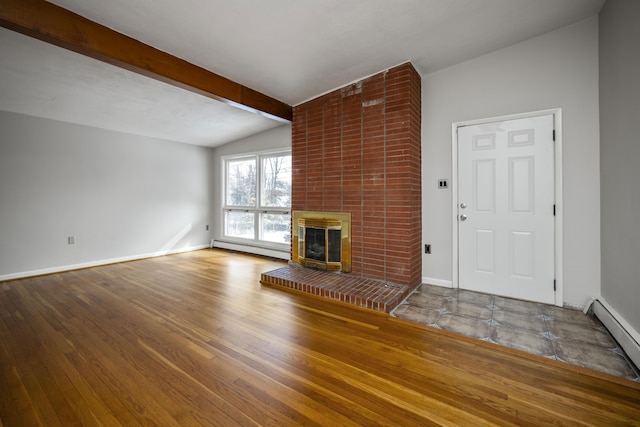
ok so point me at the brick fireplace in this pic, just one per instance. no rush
(357, 150)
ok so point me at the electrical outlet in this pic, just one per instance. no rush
(443, 184)
(427, 249)
(71, 240)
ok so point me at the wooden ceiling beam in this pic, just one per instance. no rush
(61, 27)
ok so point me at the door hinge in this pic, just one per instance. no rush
(554, 210)
(554, 134)
(554, 285)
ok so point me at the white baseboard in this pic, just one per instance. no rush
(274, 253)
(437, 282)
(61, 268)
(622, 331)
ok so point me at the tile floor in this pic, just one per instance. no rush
(562, 334)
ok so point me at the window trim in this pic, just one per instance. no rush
(257, 209)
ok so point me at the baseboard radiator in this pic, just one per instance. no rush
(623, 333)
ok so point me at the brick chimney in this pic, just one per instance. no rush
(357, 150)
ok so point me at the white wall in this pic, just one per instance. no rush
(555, 70)
(122, 196)
(272, 139)
(620, 154)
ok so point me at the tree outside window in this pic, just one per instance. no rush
(241, 182)
(258, 198)
(276, 181)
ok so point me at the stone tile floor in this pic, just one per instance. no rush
(557, 333)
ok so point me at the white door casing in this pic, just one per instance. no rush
(505, 207)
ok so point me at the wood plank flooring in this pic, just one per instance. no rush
(193, 339)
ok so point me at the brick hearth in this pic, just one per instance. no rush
(367, 293)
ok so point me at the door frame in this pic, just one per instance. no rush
(558, 234)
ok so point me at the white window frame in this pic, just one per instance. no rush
(257, 210)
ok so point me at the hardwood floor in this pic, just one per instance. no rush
(193, 339)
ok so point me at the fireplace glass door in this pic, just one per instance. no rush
(320, 244)
(315, 243)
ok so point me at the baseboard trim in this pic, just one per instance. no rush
(622, 331)
(273, 253)
(437, 282)
(62, 268)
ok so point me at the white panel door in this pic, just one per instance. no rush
(506, 208)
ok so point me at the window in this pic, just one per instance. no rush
(257, 199)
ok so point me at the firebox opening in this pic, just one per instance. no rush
(322, 240)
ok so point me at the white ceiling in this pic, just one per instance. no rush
(291, 50)
(43, 80)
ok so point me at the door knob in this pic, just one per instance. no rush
(463, 205)
(463, 217)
